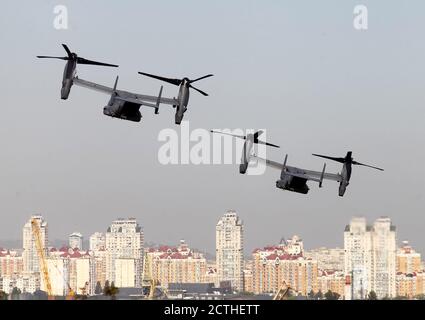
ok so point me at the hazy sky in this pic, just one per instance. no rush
(297, 68)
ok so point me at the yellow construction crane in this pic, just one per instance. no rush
(42, 257)
(147, 280)
(284, 292)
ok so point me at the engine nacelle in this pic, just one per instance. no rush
(66, 88)
(342, 186)
(243, 167)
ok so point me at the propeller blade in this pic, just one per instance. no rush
(229, 134)
(96, 63)
(67, 50)
(176, 82)
(50, 57)
(207, 76)
(342, 160)
(200, 91)
(267, 143)
(366, 165)
(257, 134)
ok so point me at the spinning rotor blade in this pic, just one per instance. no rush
(342, 160)
(366, 165)
(229, 134)
(267, 144)
(96, 63)
(257, 134)
(67, 50)
(200, 91)
(50, 57)
(207, 76)
(176, 82)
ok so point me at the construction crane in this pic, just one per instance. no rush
(85, 289)
(42, 257)
(284, 292)
(148, 282)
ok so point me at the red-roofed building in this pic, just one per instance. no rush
(332, 280)
(71, 268)
(11, 263)
(410, 284)
(273, 265)
(177, 264)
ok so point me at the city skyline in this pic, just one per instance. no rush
(371, 263)
(247, 251)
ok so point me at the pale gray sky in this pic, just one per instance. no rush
(297, 68)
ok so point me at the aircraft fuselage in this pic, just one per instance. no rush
(122, 110)
(291, 183)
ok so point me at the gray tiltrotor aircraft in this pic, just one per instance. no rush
(70, 69)
(183, 97)
(123, 104)
(295, 179)
(250, 140)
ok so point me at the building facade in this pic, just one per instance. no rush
(229, 250)
(408, 260)
(30, 256)
(178, 264)
(370, 258)
(331, 259)
(75, 241)
(97, 241)
(275, 265)
(124, 240)
(11, 263)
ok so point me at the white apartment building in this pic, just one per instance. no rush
(229, 250)
(370, 258)
(75, 241)
(331, 259)
(125, 272)
(124, 240)
(97, 241)
(58, 268)
(30, 255)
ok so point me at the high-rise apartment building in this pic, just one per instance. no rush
(30, 256)
(75, 241)
(97, 241)
(370, 258)
(229, 250)
(124, 240)
(329, 259)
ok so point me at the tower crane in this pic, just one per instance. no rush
(147, 280)
(284, 292)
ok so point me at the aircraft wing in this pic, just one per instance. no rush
(170, 101)
(92, 86)
(301, 173)
(329, 176)
(125, 95)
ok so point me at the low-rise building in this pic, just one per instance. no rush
(177, 265)
(274, 265)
